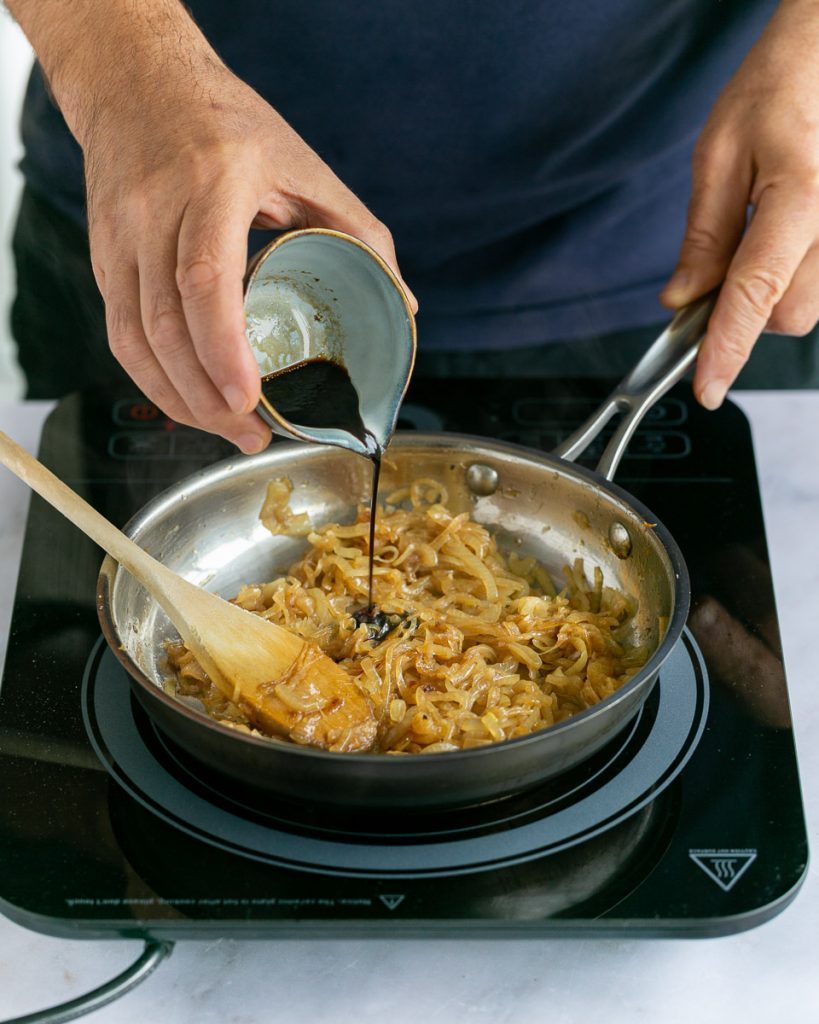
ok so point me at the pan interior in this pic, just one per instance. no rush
(208, 529)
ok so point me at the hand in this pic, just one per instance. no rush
(181, 158)
(760, 147)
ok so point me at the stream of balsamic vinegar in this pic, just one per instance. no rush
(319, 393)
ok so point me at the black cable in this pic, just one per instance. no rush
(152, 955)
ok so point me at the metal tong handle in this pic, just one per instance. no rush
(665, 363)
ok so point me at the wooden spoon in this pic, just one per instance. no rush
(283, 684)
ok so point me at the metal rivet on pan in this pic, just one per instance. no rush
(620, 539)
(481, 479)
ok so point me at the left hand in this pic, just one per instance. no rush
(759, 147)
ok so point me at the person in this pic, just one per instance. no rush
(530, 164)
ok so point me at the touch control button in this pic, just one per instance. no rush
(134, 444)
(130, 412)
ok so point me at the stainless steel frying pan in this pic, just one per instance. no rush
(207, 528)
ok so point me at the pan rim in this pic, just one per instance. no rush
(239, 465)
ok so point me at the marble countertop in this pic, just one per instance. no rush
(767, 973)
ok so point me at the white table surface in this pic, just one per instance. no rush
(770, 973)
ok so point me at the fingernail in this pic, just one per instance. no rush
(251, 443)
(410, 297)
(235, 398)
(712, 395)
(678, 284)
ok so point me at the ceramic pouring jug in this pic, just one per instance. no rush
(321, 295)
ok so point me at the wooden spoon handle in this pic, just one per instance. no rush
(78, 511)
(244, 653)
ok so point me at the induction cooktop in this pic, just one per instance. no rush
(689, 822)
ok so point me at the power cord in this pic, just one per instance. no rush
(152, 956)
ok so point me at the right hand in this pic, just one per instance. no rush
(179, 165)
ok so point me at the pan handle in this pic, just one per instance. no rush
(665, 363)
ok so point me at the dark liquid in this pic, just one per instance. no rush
(377, 623)
(319, 393)
(316, 393)
(376, 460)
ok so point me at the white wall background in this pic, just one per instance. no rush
(15, 62)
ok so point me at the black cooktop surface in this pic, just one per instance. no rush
(688, 823)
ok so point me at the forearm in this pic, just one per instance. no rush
(100, 53)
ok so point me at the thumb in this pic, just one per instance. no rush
(328, 203)
(379, 238)
(716, 221)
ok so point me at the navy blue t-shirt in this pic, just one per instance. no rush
(531, 157)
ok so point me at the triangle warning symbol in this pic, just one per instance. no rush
(391, 901)
(725, 867)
